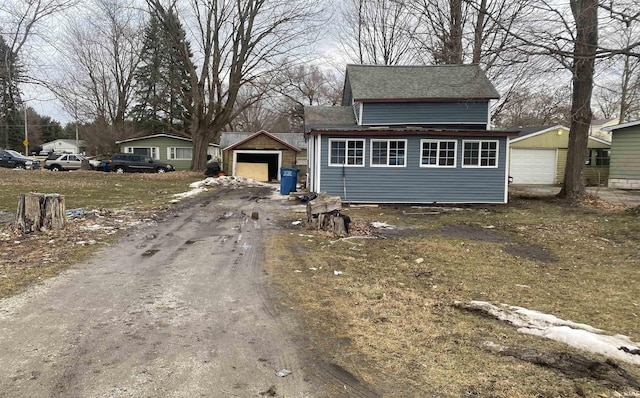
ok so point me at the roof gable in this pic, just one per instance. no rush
(529, 132)
(622, 126)
(267, 134)
(417, 83)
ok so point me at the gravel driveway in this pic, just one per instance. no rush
(175, 309)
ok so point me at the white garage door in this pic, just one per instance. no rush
(533, 166)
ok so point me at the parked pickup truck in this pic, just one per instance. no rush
(15, 160)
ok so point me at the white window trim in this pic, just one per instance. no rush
(478, 166)
(345, 164)
(178, 147)
(437, 165)
(387, 140)
(154, 150)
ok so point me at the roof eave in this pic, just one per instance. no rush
(432, 99)
(457, 133)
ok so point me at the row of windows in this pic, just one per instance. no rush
(433, 153)
(173, 153)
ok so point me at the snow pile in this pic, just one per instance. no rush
(190, 193)
(381, 225)
(227, 181)
(577, 335)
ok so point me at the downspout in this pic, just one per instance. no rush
(344, 184)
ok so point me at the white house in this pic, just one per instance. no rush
(64, 146)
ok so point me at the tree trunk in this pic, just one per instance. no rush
(200, 147)
(479, 29)
(40, 212)
(585, 13)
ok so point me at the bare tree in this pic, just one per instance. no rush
(21, 21)
(102, 52)
(379, 32)
(570, 36)
(237, 44)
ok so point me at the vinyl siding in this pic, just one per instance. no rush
(412, 183)
(162, 143)
(408, 113)
(625, 153)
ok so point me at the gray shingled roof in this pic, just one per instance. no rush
(230, 138)
(328, 116)
(419, 82)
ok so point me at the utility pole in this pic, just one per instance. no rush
(26, 134)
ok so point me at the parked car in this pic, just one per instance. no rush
(58, 162)
(134, 163)
(16, 160)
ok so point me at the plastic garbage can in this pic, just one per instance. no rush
(288, 180)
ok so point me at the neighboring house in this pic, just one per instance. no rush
(599, 127)
(539, 156)
(64, 146)
(624, 171)
(261, 155)
(409, 134)
(167, 148)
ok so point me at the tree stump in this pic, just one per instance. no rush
(40, 212)
(324, 211)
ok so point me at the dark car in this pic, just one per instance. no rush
(16, 160)
(134, 163)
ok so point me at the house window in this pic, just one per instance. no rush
(601, 157)
(346, 152)
(388, 152)
(152, 152)
(179, 153)
(480, 154)
(436, 153)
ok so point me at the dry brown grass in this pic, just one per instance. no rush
(25, 260)
(391, 320)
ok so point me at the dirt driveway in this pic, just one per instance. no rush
(178, 308)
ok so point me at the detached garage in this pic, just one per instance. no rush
(533, 166)
(539, 156)
(259, 156)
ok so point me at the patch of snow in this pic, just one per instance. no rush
(189, 194)
(229, 181)
(381, 225)
(577, 335)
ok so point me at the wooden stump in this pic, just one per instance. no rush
(325, 212)
(323, 204)
(40, 212)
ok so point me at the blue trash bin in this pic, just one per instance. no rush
(288, 180)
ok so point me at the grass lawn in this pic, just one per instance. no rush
(391, 318)
(94, 189)
(114, 200)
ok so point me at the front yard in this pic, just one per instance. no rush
(387, 304)
(393, 317)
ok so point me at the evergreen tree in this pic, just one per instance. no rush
(162, 82)
(11, 120)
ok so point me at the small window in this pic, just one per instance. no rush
(346, 152)
(599, 157)
(388, 152)
(180, 153)
(437, 153)
(480, 154)
(152, 152)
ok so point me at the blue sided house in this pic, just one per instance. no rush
(409, 134)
